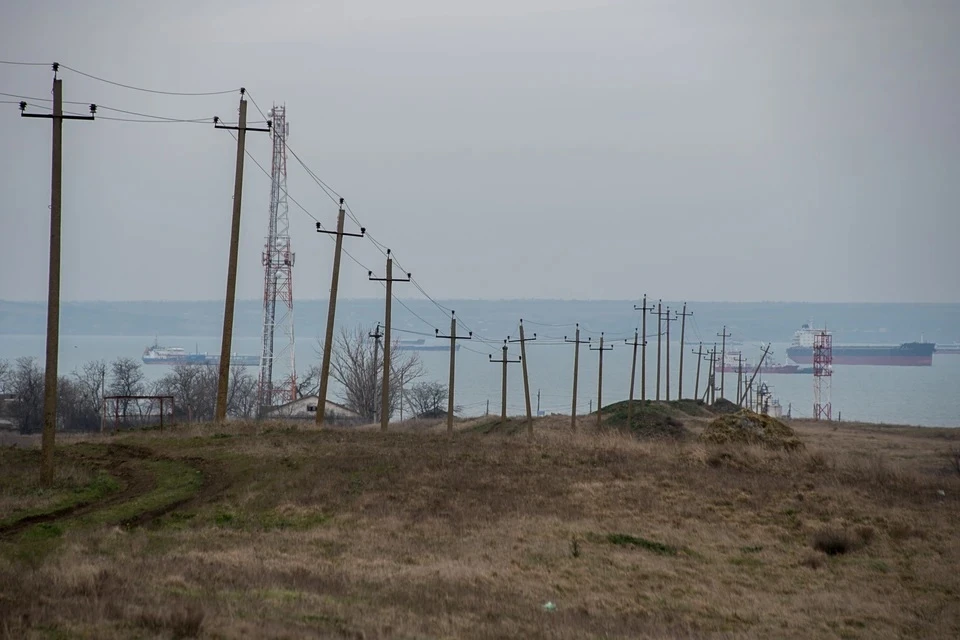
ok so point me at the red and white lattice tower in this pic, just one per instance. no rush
(822, 374)
(274, 384)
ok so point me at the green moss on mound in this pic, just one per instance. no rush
(656, 420)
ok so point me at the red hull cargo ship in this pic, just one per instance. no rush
(908, 354)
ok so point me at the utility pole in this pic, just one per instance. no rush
(710, 392)
(227, 338)
(453, 363)
(699, 352)
(739, 376)
(683, 330)
(576, 367)
(401, 396)
(53, 282)
(668, 320)
(659, 340)
(389, 280)
(376, 335)
(766, 350)
(723, 356)
(633, 372)
(332, 312)
(526, 381)
(713, 374)
(643, 354)
(601, 349)
(503, 390)
(538, 402)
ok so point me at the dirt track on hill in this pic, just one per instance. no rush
(121, 462)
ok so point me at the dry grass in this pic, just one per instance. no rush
(414, 533)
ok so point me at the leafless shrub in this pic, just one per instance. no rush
(954, 457)
(812, 560)
(834, 542)
(186, 622)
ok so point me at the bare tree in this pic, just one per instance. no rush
(428, 400)
(126, 379)
(26, 385)
(194, 391)
(353, 366)
(242, 393)
(91, 382)
(308, 382)
(76, 410)
(5, 371)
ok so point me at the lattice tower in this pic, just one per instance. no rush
(277, 352)
(822, 375)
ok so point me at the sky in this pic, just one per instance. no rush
(577, 149)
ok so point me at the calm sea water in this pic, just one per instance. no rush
(901, 395)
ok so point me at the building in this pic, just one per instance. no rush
(306, 409)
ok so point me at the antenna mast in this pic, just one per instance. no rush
(278, 259)
(822, 375)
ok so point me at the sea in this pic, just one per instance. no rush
(927, 396)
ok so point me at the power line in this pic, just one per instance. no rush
(256, 106)
(25, 64)
(206, 120)
(14, 95)
(145, 90)
(267, 173)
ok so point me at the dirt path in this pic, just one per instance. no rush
(122, 462)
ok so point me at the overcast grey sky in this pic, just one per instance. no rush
(699, 149)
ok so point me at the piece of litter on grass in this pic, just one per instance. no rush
(549, 606)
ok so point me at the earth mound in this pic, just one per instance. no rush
(651, 420)
(722, 406)
(746, 427)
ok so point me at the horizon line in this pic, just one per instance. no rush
(458, 300)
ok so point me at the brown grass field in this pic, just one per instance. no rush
(267, 530)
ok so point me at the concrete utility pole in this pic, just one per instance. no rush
(739, 376)
(227, 338)
(53, 282)
(683, 331)
(713, 375)
(385, 399)
(699, 352)
(376, 335)
(332, 312)
(723, 356)
(633, 373)
(766, 350)
(643, 354)
(659, 340)
(401, 396)
(526, 380)
(710, 392)
(453, 363)
(601, 349)
(503, 390)
(576, 367)
(668, 320)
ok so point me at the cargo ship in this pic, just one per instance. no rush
(907, 354)
(732, 365)
(155, 354)
(953, 349)
(421, 345)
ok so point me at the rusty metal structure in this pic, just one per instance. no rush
(277, 382)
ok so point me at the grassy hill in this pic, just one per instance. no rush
(272, 530)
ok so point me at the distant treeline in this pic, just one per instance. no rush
(754, 322)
